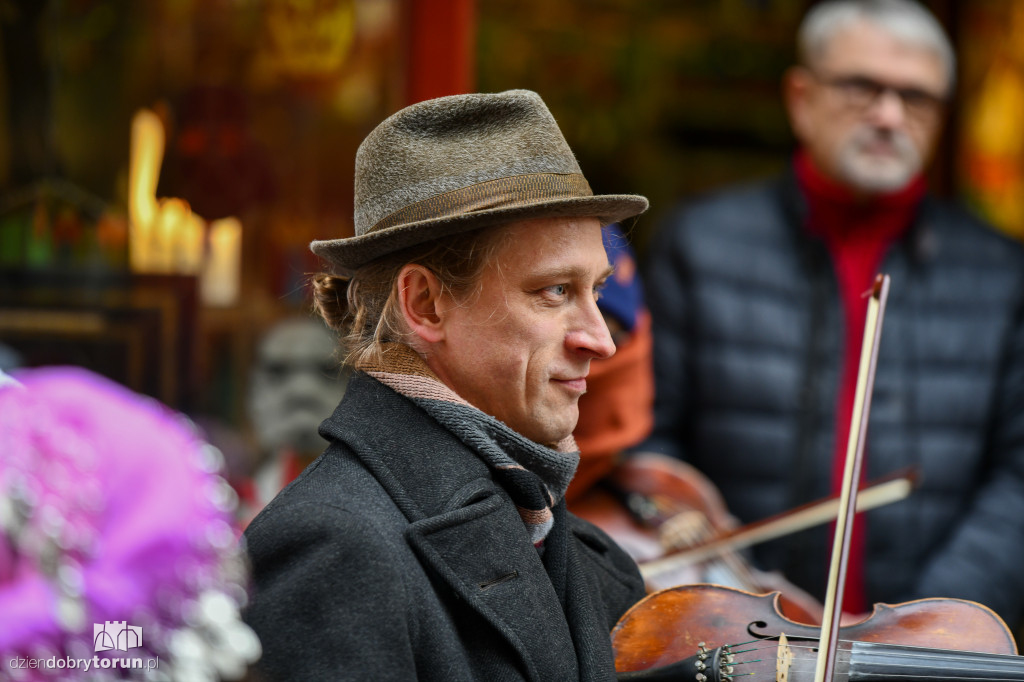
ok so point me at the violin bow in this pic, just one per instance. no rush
(891, 488)
(832, 615)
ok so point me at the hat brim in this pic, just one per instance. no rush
(346, 255)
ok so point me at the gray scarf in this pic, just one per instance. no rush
(535, 477)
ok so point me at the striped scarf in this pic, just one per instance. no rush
(535, 476)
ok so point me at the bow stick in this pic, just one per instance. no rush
(851, 474)
(892, 488)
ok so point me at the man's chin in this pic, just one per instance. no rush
(877, 175)
(556, 428)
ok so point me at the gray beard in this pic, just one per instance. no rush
(872, 175)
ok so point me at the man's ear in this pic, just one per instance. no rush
(796, 93)
(419, 298)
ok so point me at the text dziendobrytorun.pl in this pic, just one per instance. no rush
(83, 664)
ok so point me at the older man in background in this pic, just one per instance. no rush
(757, 300)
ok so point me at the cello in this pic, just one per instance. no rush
(929, 639)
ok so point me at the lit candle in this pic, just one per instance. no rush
(220, 283)
(146, 155)
(189, 245)
(171, 218)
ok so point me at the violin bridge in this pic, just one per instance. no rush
(783, 659)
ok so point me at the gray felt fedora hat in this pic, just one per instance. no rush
(454, 164)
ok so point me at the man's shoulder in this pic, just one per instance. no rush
(963, 235)
(751, 213)
(765, 190)
(337, 474)
(743, 233)
(734, 203)
(335, 489)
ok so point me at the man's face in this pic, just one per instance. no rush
(521, 350)
(870, 108)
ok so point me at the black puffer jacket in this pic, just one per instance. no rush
(748, 334)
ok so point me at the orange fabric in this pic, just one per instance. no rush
(617, 411)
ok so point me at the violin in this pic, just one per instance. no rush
(674, 523)
(710, 633)
(653, 506)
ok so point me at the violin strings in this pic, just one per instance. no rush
(896, 650)
(846, 655)
(749, 641)
(808, 652)
(775, 645)
(910, 676)
(949, 675)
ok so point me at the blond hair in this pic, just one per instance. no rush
(364, 308)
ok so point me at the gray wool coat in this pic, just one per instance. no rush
(395, 556)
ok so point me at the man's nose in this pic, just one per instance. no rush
(888, 110)
(591, 335)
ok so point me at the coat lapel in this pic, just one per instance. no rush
(463, 527)
(483, 553)
(590, 634)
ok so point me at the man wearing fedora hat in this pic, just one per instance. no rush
(431, 539)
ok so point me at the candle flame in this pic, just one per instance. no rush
(165, 235)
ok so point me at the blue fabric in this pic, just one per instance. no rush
(622, 296)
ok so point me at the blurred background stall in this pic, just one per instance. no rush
(165, 164)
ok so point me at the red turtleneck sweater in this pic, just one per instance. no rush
(857, 231)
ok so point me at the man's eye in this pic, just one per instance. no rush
(918, 98)
(558, 289)
(861, 87)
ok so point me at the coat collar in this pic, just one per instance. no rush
(466, 531)
(421, 464)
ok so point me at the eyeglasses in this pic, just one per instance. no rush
(861, 93)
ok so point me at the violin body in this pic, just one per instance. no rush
(684, 622)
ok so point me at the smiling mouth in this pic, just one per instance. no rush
(578, 385)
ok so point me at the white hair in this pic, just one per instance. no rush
(905, 20)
